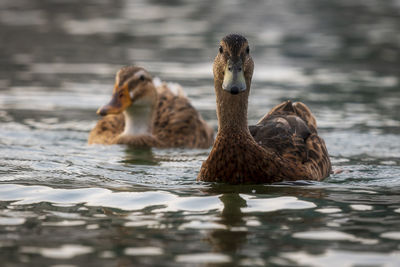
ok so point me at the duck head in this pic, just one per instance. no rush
(233, 66)
(133, 87)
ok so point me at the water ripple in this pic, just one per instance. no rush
(273, 204)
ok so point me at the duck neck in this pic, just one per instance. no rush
(139, 119)
(231, 111)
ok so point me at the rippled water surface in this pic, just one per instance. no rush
(63, 202)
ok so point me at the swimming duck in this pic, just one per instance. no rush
(283, 145)
(142, 114)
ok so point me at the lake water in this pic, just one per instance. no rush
(63, 202)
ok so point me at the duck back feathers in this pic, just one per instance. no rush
(178, 124)
(290, 130)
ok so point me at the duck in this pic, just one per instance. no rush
(284, 145)
(144, 112)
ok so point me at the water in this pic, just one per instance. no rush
(63, 202)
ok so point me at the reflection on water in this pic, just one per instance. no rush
(229, 227)
(65, 203)
(345, 258)
(136, 156)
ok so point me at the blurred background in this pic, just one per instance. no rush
(342, 54)
(344, 36)
(58, 59)
(341, 57)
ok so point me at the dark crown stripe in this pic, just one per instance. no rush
(126, 73)
(234, 42)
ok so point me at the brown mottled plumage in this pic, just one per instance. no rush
(284, 145)
(143, 115)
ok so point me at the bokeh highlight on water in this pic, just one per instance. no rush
(63, 202)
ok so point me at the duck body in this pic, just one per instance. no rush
(237, 159)
(107, 130)
(157, 118)
(283, 145)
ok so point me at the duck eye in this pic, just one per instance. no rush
(221, 50)
(141, 77)
(248, 50)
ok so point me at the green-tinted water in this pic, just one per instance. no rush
(65, 203)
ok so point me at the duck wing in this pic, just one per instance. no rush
(290, 130)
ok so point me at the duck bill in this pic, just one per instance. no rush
(120, 100)
(234, 81)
